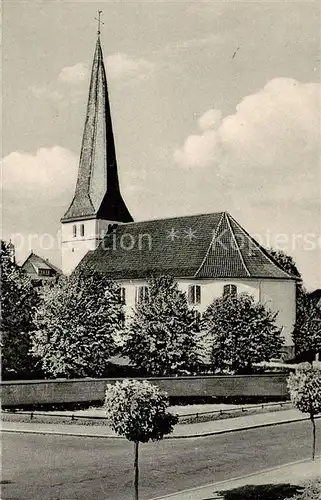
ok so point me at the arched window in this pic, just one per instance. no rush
(82, 230)
(229, 291)
(74, 230)
(194, 294)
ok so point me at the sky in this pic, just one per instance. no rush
(215, 107)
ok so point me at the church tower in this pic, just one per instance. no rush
(97, 203)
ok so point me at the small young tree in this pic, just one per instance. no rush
(242, 332)
(162, 337)
(76, 325)
(305, 390)
(138, 411)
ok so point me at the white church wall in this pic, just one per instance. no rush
(75, 247)
(212, 289)
(278, 295)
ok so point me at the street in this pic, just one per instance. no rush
(44, 467)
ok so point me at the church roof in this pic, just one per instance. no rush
(97, 193)
(198, 246)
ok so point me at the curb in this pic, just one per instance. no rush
(245, 428)
(110, 436)
(238, 478)
(62, 433)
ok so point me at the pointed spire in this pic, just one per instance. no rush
(97, 191)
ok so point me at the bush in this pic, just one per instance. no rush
(311, 491)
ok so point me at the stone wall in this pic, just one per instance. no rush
(33, 392)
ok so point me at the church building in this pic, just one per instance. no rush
(209, 255)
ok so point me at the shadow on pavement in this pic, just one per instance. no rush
(258, 492)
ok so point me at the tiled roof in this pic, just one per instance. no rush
(34, 262)
(97, 191)
(198, 246)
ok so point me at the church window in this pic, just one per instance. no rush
(74, 230)
(229, 291)
(142, 294)
(82, 230)
(194, 294)
(123, 295)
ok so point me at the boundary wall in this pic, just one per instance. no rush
(61, 391)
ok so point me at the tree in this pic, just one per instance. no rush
(305, 390)
(138, 411)
(242, 332)
(307, 329)
(76, 325)
(162, 334)
(286, 262)
(19, 300)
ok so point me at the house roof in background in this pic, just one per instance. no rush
(34, 262)
(198, 246)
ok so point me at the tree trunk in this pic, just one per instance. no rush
(136, 471)
(313, 435)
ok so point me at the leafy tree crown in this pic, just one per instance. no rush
(242, 332)
(286, 262)
(19, 301)
(77, 324)
(138, 411)
(305, 388)
(163, 333)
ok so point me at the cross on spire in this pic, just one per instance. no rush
(99, 22)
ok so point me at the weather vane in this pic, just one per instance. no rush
(99, 21)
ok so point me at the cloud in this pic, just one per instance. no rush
(269, 149)
(73, 75)
(210, 119)
(121, 66)
(48, 175)
(200, 151)
(66, 88)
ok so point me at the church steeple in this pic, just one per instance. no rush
(97, 191)
(97, 201)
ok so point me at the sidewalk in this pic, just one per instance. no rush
(285, 477)
(180, 430)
